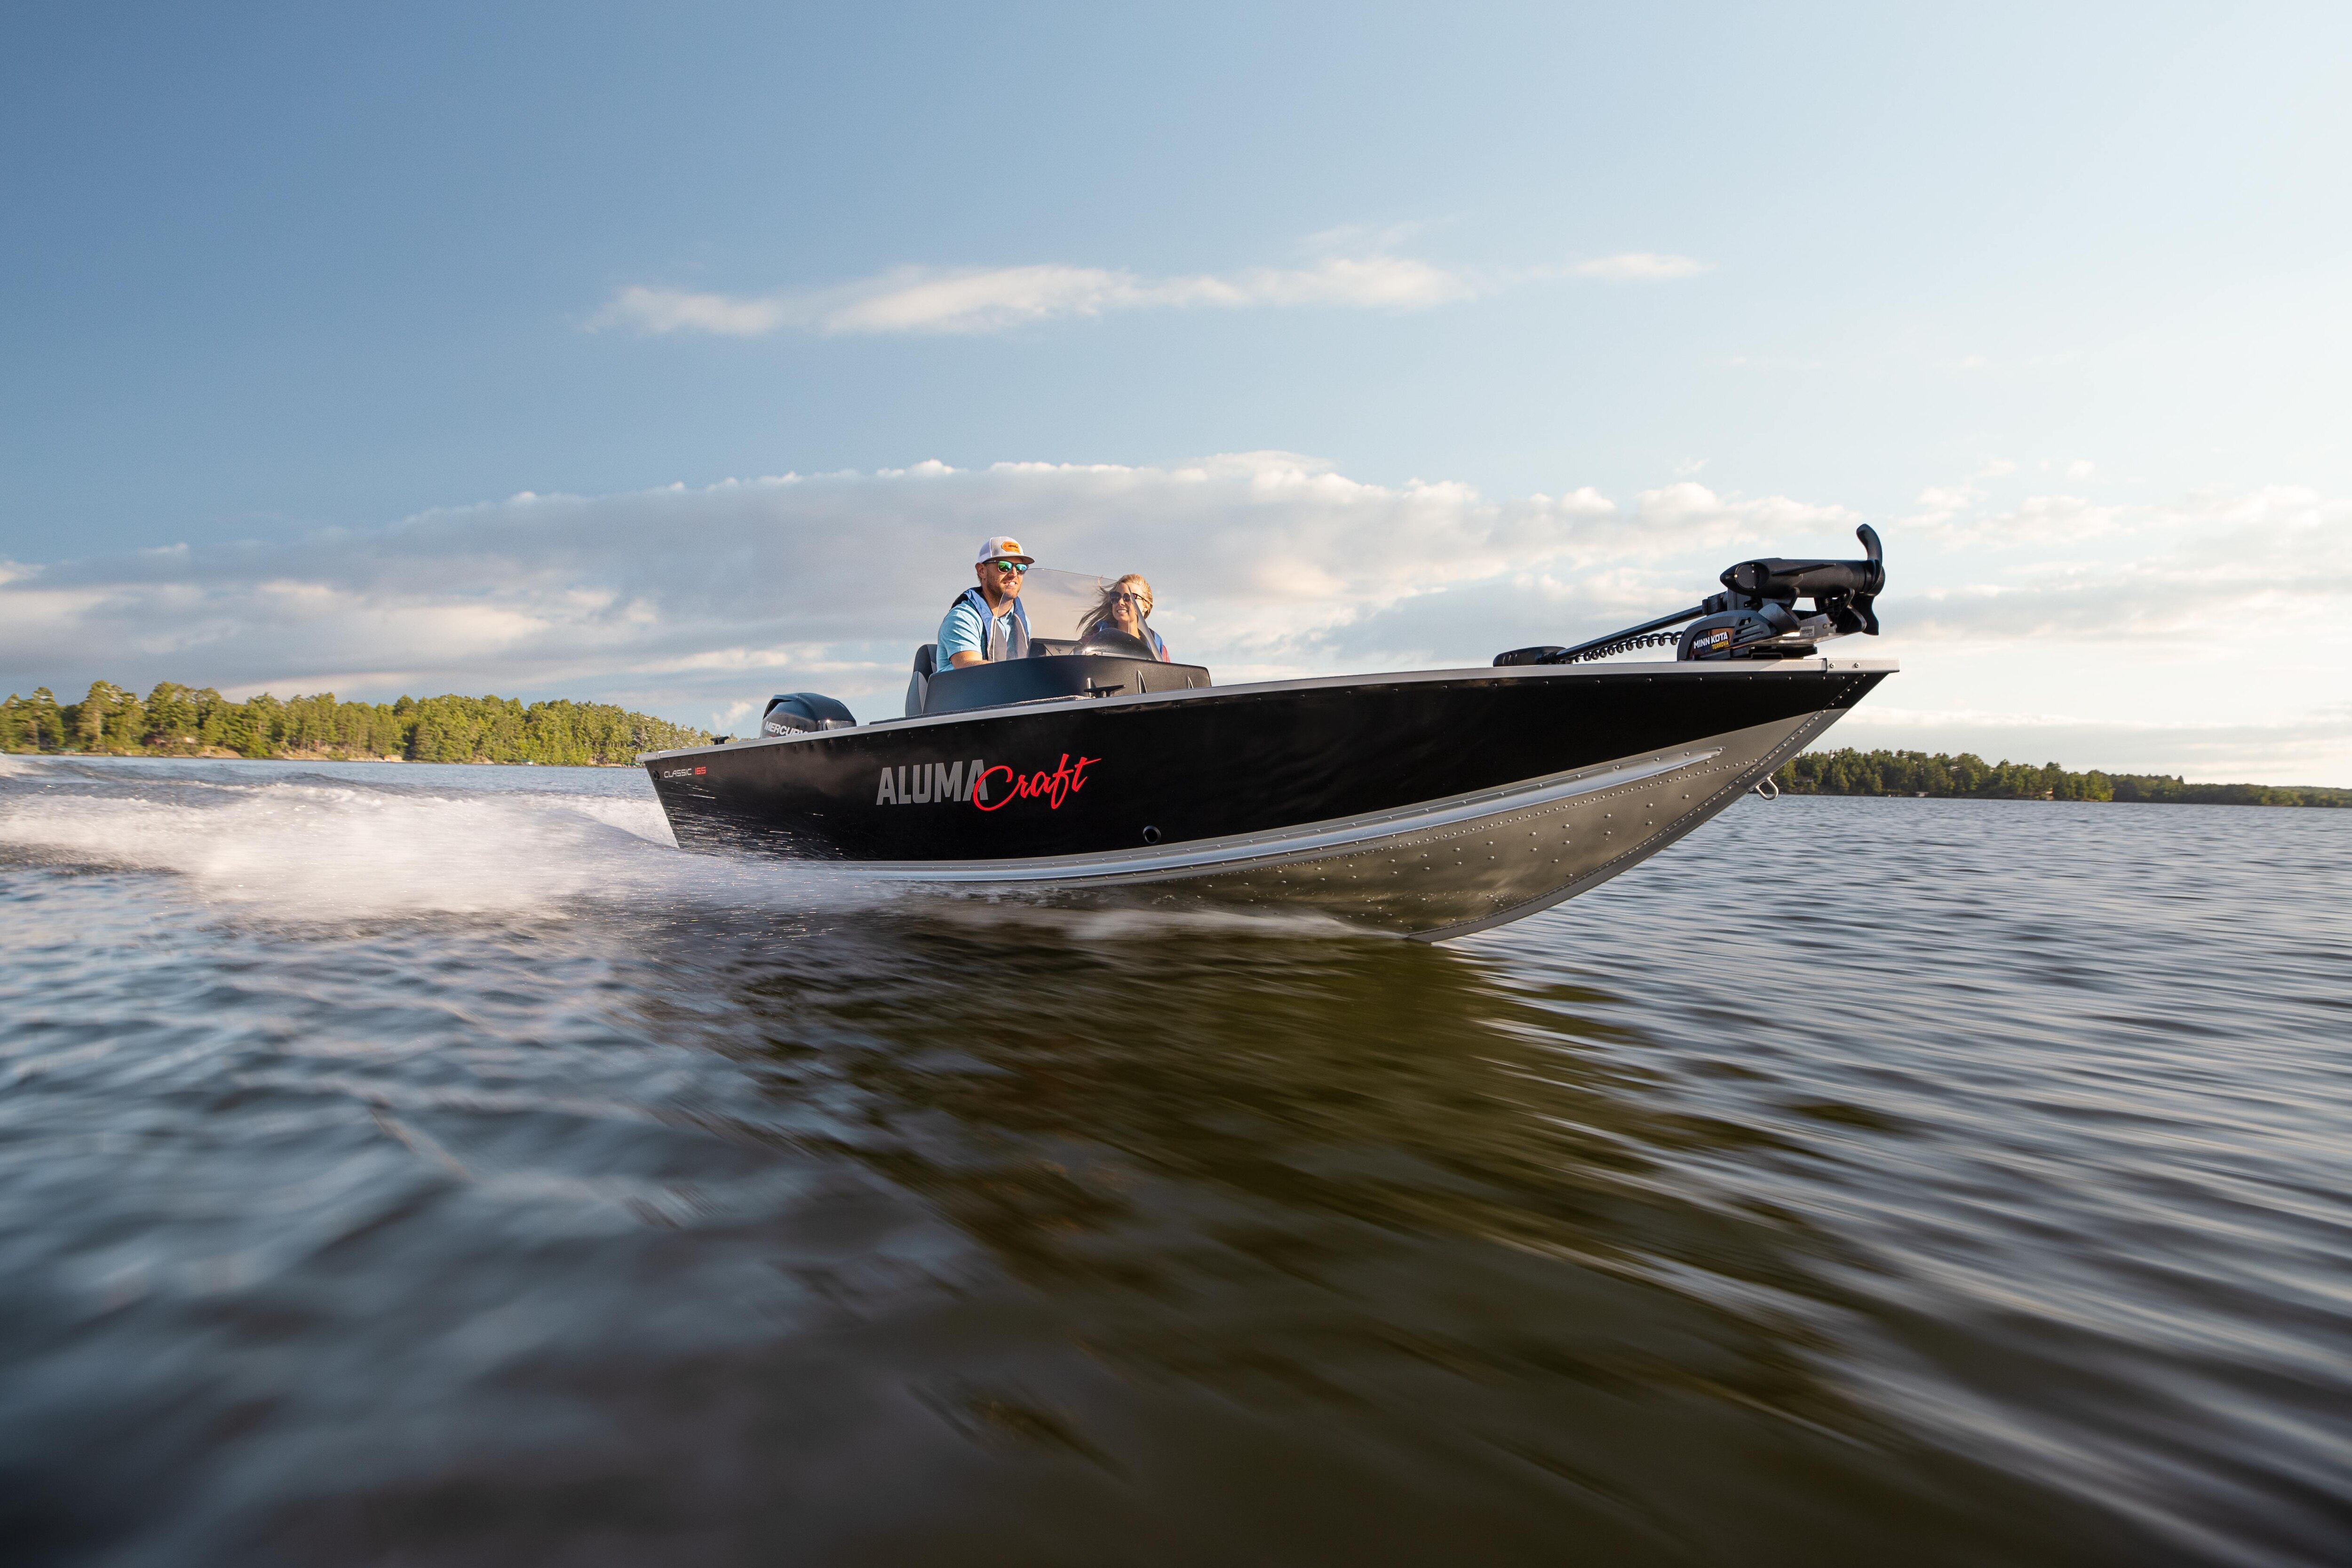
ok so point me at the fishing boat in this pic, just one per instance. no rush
(1427, 803)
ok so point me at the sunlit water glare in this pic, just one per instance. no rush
(409, 1164)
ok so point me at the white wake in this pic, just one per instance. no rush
(320, 849)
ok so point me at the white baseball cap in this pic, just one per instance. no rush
(1005, 545)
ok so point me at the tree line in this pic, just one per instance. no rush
(178, 720)
(1970, 777)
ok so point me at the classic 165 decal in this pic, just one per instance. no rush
(981, 785)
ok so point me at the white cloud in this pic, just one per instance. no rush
(1639, 267)
(1693, 512)
(676, 311)
(1266, 563)
(1942, 503)
(2080, 468)
(2244, 530)
(2212, 570)
(993, 299)
(984, 300)
(1947, 515)
(681, 598)
(693, 602)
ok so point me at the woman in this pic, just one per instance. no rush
(1125, 607)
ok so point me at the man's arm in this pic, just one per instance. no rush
(962, 638)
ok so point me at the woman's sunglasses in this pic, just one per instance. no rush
(1014, 566)
(1130, 598)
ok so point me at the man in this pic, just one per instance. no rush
(988, 622)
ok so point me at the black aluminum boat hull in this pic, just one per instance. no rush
(1428, 804)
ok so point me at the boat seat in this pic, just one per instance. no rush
(918, 684)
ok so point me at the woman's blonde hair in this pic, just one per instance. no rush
(1100, 615)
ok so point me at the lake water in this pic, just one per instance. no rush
(433, 1165)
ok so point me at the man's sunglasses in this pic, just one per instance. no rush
(1010, 565)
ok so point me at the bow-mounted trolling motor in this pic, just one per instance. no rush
(1757, 618)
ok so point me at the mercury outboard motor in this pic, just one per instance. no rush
(797, 710)
(1756, 617)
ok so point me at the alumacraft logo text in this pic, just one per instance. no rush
(930, 783)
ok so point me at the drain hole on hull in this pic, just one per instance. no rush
(1152, 836)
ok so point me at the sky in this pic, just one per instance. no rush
(676, 355)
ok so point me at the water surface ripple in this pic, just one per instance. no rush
(423, 1165)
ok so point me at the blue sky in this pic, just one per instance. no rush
(2056, 296)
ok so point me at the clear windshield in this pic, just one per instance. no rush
(1057, 601)
(1062, 606)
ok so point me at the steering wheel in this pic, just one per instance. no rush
(1111, 641)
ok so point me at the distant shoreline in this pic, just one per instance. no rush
(217, 754)
(1942, 776)
(177, 721)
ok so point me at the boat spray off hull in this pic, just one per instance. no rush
(1427, 805)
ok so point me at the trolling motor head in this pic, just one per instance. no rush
(1756, 617)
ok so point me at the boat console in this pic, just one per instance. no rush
(1047, 677)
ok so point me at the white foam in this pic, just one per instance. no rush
(319, 850)
(312, 848)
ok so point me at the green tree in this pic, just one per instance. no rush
(171, 718)
(92, 714)
(16, 725)
(47, 720)
(215, 715)
(126, 727)
(264, 726)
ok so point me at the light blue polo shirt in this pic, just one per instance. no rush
(968, 629)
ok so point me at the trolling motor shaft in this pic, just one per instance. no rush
(1756, 617)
